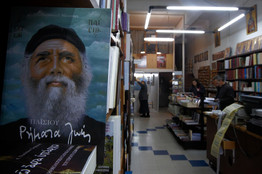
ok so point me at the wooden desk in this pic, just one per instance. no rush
(248, 152)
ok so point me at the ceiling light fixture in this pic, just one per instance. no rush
(158, 39)
(202, 8)
(231, 22)
(182, 31)
(149, 13)
(147, 19)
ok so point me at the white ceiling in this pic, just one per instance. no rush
(170, 19)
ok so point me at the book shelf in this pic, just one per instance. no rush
(243, 72)
(120, 31)
(204, 75)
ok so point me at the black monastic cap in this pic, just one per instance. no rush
(54, 32)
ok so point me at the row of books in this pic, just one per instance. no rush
(220, 66)
(119, 16)
(193, 136)
(234, 85)
(244, 73)
(246, 86)
(222, 54)
(253, 59)
(240, 85)
(249, 45)
(257, 72)
(255, 87)
(182, 135)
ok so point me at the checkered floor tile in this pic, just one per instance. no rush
(178, 157)
(198, 163)
(144, 148)
(142, 132)
(160, 152)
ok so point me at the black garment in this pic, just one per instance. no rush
(218, 89)
(143, 91)
(11, 133)
(143, 98)
(144, 107)
(226, 96)
(200, 93)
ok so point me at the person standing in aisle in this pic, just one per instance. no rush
(225, 94)
(143, 99)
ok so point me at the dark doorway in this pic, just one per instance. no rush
(164, 88)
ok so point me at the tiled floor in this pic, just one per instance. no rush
(155, 150)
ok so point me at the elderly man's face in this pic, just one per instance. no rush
(55, 57)
(216, 83)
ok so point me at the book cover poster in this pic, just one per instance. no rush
(217, 39)
(56, 74)
(161, 61)
(251, 20)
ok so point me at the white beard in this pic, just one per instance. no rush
(65, 104)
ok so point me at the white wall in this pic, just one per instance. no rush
(229, 37)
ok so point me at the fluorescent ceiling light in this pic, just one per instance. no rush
(158, 53)
(142, 52)
(158, 39)
(205, 8)
(147, 19)
(231, 22)
(181, 31)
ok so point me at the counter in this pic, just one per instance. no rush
(248, 152)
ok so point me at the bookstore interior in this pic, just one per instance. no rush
(161, 87)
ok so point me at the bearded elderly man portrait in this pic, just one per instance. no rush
(56, 76)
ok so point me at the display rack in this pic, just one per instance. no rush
(189, 128)
(177, 85)
(177, 82)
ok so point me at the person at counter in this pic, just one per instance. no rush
(225, 93)
(198, 89)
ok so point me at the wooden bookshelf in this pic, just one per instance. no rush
(244, 72)
(204, 74)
